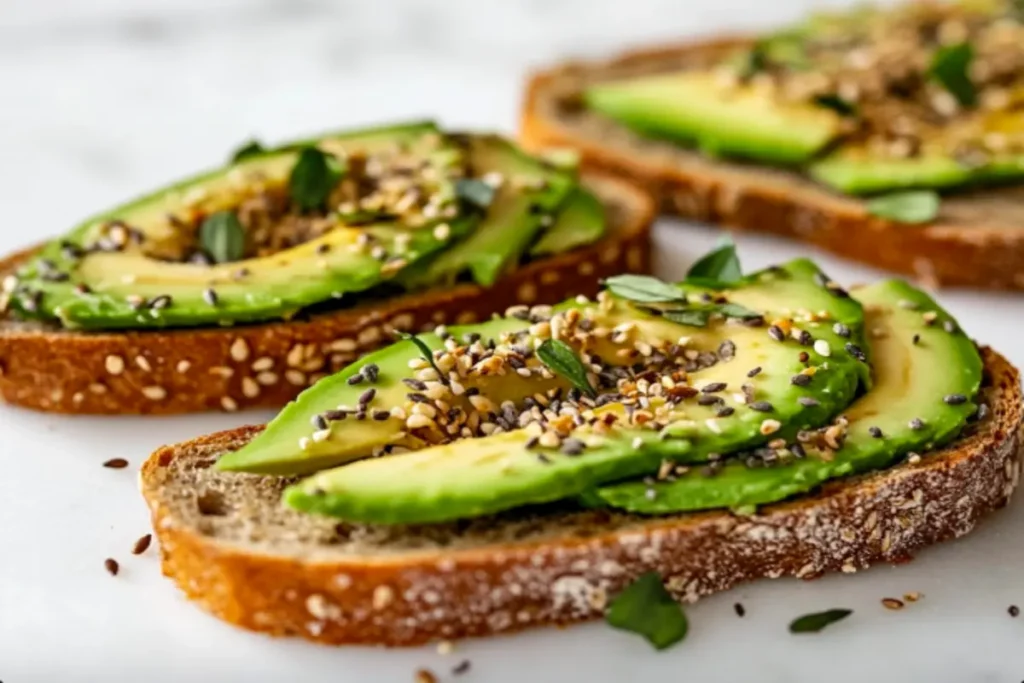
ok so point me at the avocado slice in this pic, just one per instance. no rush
(694, 107)
(580, 221)
(528, 194)
(792, 380)
(90, 280)
(922, 397)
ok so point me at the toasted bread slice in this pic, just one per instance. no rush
(977, 239)
(266, 365)
(230, 545)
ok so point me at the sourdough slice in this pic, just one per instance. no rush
(266, 365)
(977, 239)
(230, 545)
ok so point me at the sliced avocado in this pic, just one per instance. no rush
(693, 107)
(580, 221)
(528, 192)
(926, 377)
(716, 414)
(143, 279)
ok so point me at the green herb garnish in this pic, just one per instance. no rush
(363, 216)
(425, 351)
(643, 289)
(836, 104)
(562, 359)
(915, 206)
(647, 609)
(694, 317)
(812, 623)
(718, 268)
(752, 62)
(475, 192)
(249, 149)
(951, 67)
(313, 178)
(222, 237)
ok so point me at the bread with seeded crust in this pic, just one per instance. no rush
(976, 240)
(230, 545)
(49, 368)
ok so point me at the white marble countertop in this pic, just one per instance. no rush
(105, 99)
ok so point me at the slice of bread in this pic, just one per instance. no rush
(231, 546)
(266, 365)
(977, 239)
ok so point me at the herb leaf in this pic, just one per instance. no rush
(562, 359)
(695, 317)
(731, 310)
(363, 216)
(646, 608)
(425, 351)
(836, 104)
(644, 289)
(752, 61)
(475, 192)
(951, 67)
(313, 177)
(718, 268)
(812, 623)
(915, 206)
(249, 149)
(222, 237)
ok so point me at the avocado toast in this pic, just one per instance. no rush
(525, 470)
(242, 286)
(842, 131)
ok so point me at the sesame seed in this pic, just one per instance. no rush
(913, 458)
(822, 348)
(160, 302)
(229, 404)
(154, 393)
(573, 446)
(724, 411)
(805, 338)
(770, 427)
(142, 544)
(116, 463)
(210, 296)
(319, 422)
(367, 396)
(841, 330)
(856, 352)
(708, 400)
(380, 415)
(776, 333)
(111, 565)
(916, 424)
(800, 380)
(754, 372)
(1013, 611)
(875, 432)
(461, 668)
(355, 379)
(955, 399)
(808, 401)
(183, 366)
(892, 603)
(239, 350)
(114, 364)
(739, 609)
(250, 388)
(713, 387)
(762, 406)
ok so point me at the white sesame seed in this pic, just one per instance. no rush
(382, 597)
(250, 388)
(267, 379)
(154, 393)
(115, 364)
(321, 435)
(263, 364)
(183, 366)
(229, 404)
(143, 363)
(822, 348)
(239, 350)
(770, 426)
(304, 443)
(295, 377)
(418, 421)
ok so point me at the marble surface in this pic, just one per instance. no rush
(105, 99)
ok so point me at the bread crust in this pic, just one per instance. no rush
(267, 365)
(976, 240)
(418, 596)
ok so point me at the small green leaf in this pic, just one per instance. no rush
(425, 351)
(836, 104)
(222, 237)
(752, 61)
(250, 149)
(562, 359)
(812, 623)
(951, 67)
(643, 288)
(718, 268)
(363, 216)
(730, 310)
(695, 317)
(313, 178)
(647, 609)
(915, 206)
(475, 192)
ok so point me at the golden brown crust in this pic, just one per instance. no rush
(267, 365)
(417, 596)
(976, 240)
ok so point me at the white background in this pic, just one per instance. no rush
(101, 100)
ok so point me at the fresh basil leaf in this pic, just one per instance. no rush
(222, 237)
(647, 609)
(425, 351)
(812, 623)
(562, 359)
(718, 268)
(951, 67)
(695, 317)
(249, 149)
(475, 192)
(643, 288)
(836, 104)
(730, 310)
(313, 178)
(915, 206)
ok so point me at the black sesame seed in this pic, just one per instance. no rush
(856, 352)
(776, 333)
(754, 372)
(573, 446)
(210, 296)
(461, 668)
(414, 384)
(1013, 611)
(798, 451)
(319, 422)
(875, 432)
(714, 387)
(417, 397)
(808, 401)
(724, 411)
(739, 609)
(955, 399)
(380, 415)
(806, 339)
(361, 415)
(367, 396)
(841, 329)
(708, 400)
(800, 380)
(160, 302)
(727, 350)
(916, 424)
(335, 415)
(472, 391)
(532, 442)
(55, 276)
(762, 406)
(355, 379)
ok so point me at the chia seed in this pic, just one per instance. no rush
(841, 330)
(856, 352)
(754, 372)
(875, 432)
(917, 424)
(776, 333)
(800, 380)
(808, 401)
(955, 399)
(762, 406)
